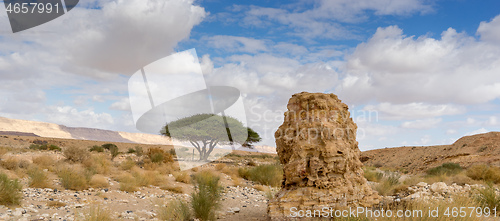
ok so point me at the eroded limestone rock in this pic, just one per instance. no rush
(318, 150)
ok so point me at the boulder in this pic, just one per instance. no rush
(317, 147)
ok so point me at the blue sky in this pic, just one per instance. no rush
(414, 72)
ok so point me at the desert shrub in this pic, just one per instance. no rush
(99, 181)
(146, 178)
(205, 199)
(127, 164)
(114, 152)
(73, 178)
(388, 184)
(447, 169)
(138, 151)
(482, 149)
(157, 155)
(109, 146)
(4, 150)
(251, 163)
(10, 163)
(182, 176)
(131, 150)
(97, 213)
(484, 172)
(176, 210)
(96, 148)
(44, 161)
(220, 166)
(487, 197)
(98, 164)
(268, 174)
(127, 182)
(44, 147)
(372, 175)
(76, 154)
(38, 178)
(10, 191)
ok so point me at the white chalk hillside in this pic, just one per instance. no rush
(57, 131)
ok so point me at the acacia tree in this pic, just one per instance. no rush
(206, 131)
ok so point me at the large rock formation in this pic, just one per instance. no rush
(318, 150)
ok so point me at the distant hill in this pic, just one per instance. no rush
(466, 151)
(35, 128)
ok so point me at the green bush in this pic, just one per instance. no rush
(267, 174)
(205, 199)
(44, 147)
(114, 152)
(131, 150)
(388, 184)
(10, 191)
(372, 175)
(108, 146)
(445, 169)
(96, 148)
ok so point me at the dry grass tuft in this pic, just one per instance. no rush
(73, 178)
(99, 181)
(10, 191)
(175, 189)
(97, 213)
(220, 166)
(55, 204)
(182, 176)
(76, 154)
(44, 161)
(38, 178)
(98, 163)
(176, 210)
(484, 172)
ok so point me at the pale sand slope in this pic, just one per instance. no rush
(39, 128)
(57, 131)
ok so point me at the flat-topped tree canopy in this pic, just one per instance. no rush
(205, 131)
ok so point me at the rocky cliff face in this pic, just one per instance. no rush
(318, 150)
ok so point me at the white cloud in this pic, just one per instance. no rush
(123, 104)
(421, 124)
(414, 110)
(490, 31)
(478, 131)
(394, 68)
(69, 116)
(323, 20)
(493, 120)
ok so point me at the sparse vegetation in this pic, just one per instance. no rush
(96, 148)
(138, 151)
(176, 210)
(76, 154)
(447, 169)
(388, 185)
(44, 147)
(157, 155)
(267, 174)
(205, 199)
(182, 176)
(97, 213)
(10, 191)
(484, 172)
(372, 175)
(38, 178)
(487, 197)
(99, 181)
(174, 189)
(73, 178)
(44, 161)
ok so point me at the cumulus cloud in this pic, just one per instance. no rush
(490, 31)
(394, 68)
(325, 19)
(69, 116)
(421, 124)
(415, 110)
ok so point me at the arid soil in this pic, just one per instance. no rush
(466, 151)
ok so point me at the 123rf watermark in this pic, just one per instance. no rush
(430, 212)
